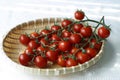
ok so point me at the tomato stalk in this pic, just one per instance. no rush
(81, 48)
(87, 20)
(90, 20)
(69, 28)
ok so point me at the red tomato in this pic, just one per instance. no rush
(64, 45)
(73, 50)
(66, 22)
(55, 27)
(79, 15)
(71, 62)
(41, 49)
(103, 32)
(24, 39)
(29, 51)
(75, 38)
(55, 37)
(55, 46)
(24, 59)
(77, 27)
(52, 55)
(40, 62)
(33, 44)
(91, 52)
(61, 61)
(86, 31)
(34, 35)
(45, 32)
(96, 45)
(43, 41)
(82, 57)
(66, 34)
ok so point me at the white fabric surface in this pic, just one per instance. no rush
(13, 12)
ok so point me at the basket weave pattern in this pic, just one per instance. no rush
(13, 48)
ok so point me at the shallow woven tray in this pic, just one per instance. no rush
(13, 48)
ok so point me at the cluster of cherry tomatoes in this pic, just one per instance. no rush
(68, 44)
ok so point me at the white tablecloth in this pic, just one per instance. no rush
(13, 12)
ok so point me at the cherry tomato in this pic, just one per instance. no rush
(41, 49)
(79, 15)
(29, 51)
(103, 32)
(91, 52)
(52, 55)
(43, 41)
(45, 32)
(34, 35)
(96, 45)
(86, 31)
(66, 34)
(71, 62)
(64, 45)
(33, 44)
(66, 22)
(55, 37)
(40, 62)
(55, 46)
(61, 61)
(77, 27)
(24, 59)
(55, 27)
(82, 57)
(73, 50)
(24, 39)
(75, 38)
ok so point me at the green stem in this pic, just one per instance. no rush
(93, 21)
(102, 19)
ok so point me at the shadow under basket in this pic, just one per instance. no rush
(12, 48)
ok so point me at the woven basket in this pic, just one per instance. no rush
(13, 48)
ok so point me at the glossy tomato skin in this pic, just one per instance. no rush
(64, 46)
(55, 27)
(77, 27)
(66, 22)
(96, 45)
(40, 62)
(86, 31)
(33, 44)
(29, 51)
(52, 55)
(92, 52)
(55, 37)
(79, 15)
(73, 50)
(82, 57)
(75, 38)
(41, 49)
(55, 46)
(71, 62)
(61, 61)
(43, 41)
(103, 32)
(66, 34)
(24, 59)
(24, 39)
(34, 35)
(45, 32)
